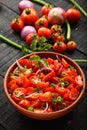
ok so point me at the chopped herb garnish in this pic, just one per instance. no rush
(54, 101)
(31, 108)
(59, 99)
(71, 67)
(62, 84)
(53, 85)
(39, 60)
(36, 90)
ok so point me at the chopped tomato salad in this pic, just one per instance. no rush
(44, 85)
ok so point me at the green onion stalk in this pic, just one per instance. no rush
(14, 44)
(24, 49)
(41, 2)
(68, 34)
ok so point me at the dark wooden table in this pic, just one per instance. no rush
(10, 119)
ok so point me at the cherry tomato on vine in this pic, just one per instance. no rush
(58, 37)
(73, 15)
(71, 45)
(45, 9)
(30, 37)
(59, 47)
(56, 29)
(29, 16)
(43, 31)
(17, 24)
(41, 22)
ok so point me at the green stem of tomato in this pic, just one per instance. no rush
(20, 47)
(40, 2)
(68, 35)
(79, 7)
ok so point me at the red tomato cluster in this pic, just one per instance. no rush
(30, 16)
(44, 85)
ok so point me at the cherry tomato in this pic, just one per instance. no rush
(24, 103)
(41, 22)
(35, 103)
(71, 45)
(31, 82)
(73, 95)
(12, 85)
(29, 16)
(43, 31)
(49, 76)
(59, 47)
(25, 81)
(29, 90)
(46, 97)
(73, 15)
(17, 24)
(65, 63)
(25, 62)
(45, 9)
(69, 79)
(56, 29)
(50, 89)
(60, 90)
(42, 85)
(30, 37)
(18, 94)
(58, 37)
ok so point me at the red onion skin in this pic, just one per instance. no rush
(27, 30)
(25, 4)
(57, 15)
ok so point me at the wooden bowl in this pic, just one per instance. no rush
(51, 115)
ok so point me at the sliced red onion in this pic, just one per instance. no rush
(31, 94)
(41, 111)
(60, 70)
(44, 69)
(20, 94)
(18, 64)
(46, 108)
(58, 58)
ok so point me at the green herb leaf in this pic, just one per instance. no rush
(44, 62)
(36, 58)
(42, 40)
(33, 45)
